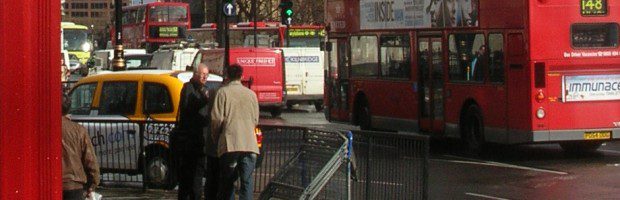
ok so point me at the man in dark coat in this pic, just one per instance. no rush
(194, 120)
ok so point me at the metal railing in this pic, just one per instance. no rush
(295, 162)
(389, 165)
(317, 159)
(126, 151)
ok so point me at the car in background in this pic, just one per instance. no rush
(138, 61)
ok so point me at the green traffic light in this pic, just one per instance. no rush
(289, 12)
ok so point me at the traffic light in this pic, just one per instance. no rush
(286, 11)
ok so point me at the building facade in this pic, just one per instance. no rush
(98, 15)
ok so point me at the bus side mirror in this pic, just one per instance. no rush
(326, 46)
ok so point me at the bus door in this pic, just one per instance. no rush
(430, 62)
(337, 81)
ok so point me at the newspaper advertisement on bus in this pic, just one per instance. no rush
(398, 14)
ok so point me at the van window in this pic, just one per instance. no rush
(82, 99)
(156, 99)
(118, 98)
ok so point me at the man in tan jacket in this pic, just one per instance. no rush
(80, 170)
(234, 116)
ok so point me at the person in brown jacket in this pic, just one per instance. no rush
(80, 170)
(234, 116)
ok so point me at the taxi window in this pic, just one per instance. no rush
(156, 99)
(82, 99)
(118, 98)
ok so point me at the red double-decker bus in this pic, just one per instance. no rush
(149, 25)
(502, 71)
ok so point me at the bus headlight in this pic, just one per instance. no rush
(540, 113)
(86, 47)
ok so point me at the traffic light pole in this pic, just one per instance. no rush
(288, 26)
(226, 46)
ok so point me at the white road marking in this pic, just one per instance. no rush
(609, 151)
(485, 196)
(496, 164)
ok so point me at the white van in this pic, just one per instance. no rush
(171, 58)
(304, 75)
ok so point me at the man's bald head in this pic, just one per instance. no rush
(201, 73)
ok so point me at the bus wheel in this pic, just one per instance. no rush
(276, 112)
(473, 135)
(581, 146)
(364, 116)
(318, 105)
(158, 173)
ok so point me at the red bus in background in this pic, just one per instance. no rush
(480, 71)
(305, 62)
(263, 72)
(147, 26)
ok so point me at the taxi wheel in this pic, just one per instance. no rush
(158, 173)
(581, 146)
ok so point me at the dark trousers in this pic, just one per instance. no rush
(236, 165)
(73, 194)
(190, 172)
(212, 175)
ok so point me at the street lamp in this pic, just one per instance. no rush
(119, 62)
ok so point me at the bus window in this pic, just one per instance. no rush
(594, 35)
(467, 55)
(168, 14)
(364, 56)
(395, 56)
(496, 57)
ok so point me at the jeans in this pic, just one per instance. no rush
(237, 165)
(212, 174)
(190, 173)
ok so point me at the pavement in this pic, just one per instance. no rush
(135, 193)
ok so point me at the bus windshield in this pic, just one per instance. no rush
(168, 14)
(75, 39)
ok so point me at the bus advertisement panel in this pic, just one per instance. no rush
(470, 69)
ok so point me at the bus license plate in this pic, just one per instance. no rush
(597, 135)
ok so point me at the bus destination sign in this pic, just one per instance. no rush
(593, 7)
(168, 31)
